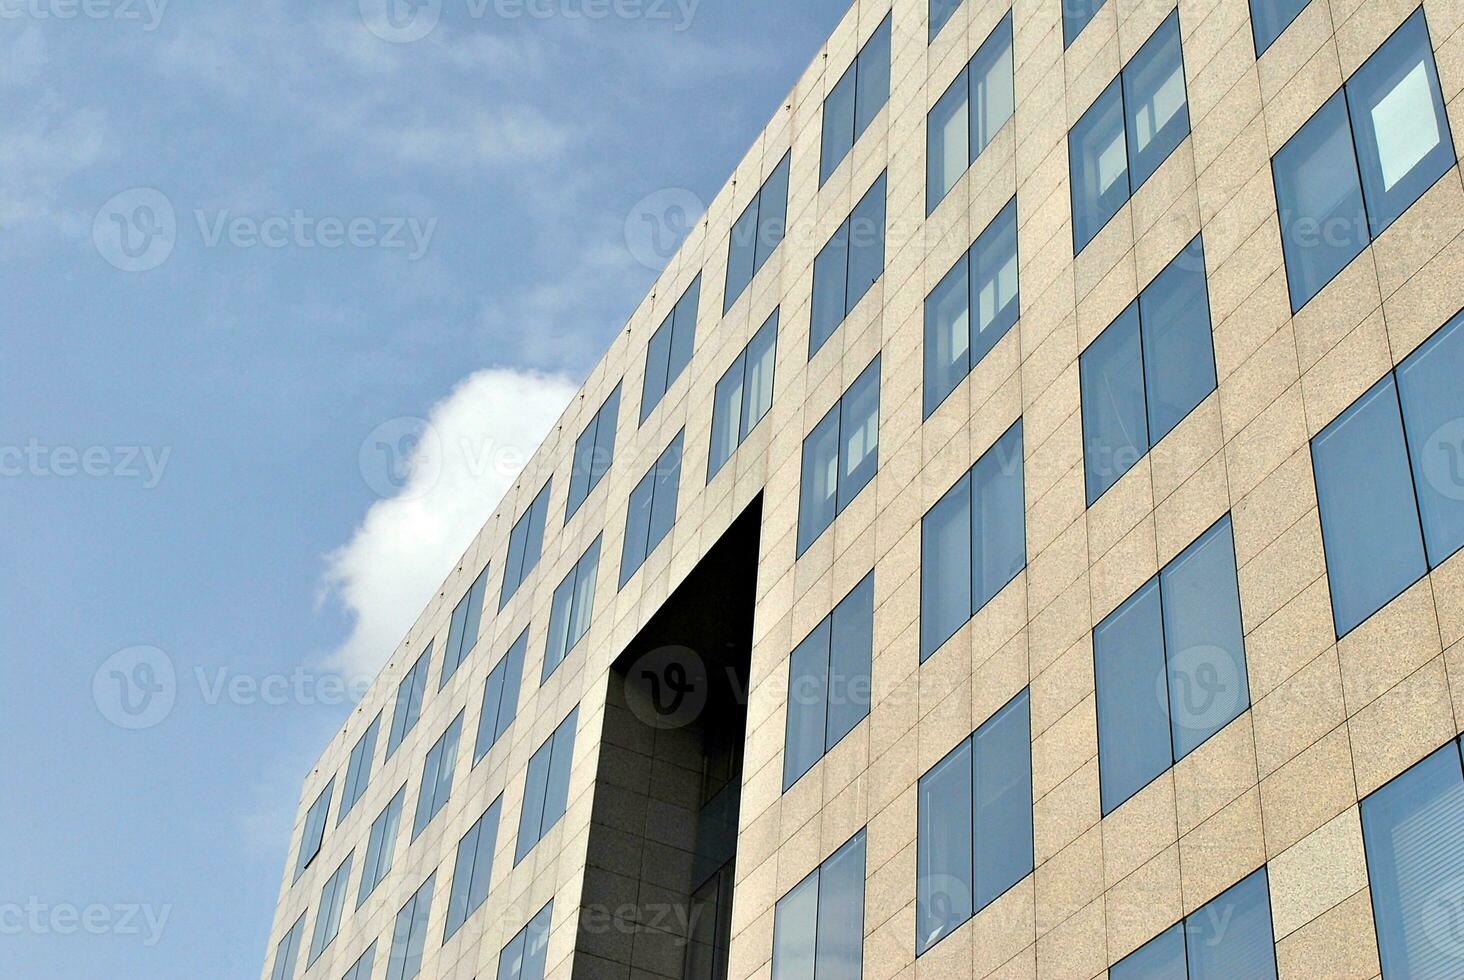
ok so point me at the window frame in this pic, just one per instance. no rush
(510, 668)
(464, 628)
(467, 896)
(437, 775)
(767, 232)
(807, 535)
(359, 768)
(408, 707)
(992, 53)
(569, 612)
(541, 786)
(593, 459)
(529, 527)
(767, 336)
(664, 474)
(860, 113)
(844, 241)
(312, 833)
(381, 843)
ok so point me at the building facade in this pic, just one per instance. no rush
(1017, 536)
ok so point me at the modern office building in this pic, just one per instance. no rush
(1018, 536)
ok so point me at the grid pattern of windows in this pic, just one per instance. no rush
(573, 606)
(462, 635)
(524, 545)
(523, 956)
(670, 349)
(313, 834)
(743, 395)
(1227, 938)
(974, 836)
(1147, 371)
(546, 787)
(1367, 154)
(652, 510)
(1390, 480)
(818, 927)
(473, 870)
(855, 100)
(409, 937)
(981, 287)
(828, 682)
(848, 265)
(1128, 132)
(968, 115)
(328, 916)
(759, 231)
(288, 952)
(1169, 666)
(500, 696)
(594, 451)
(972, 542)
(409, 701)
(381, 846)
(840, 456)
(1270, 17)
(358, 769)
(437, 776)
(364, 966)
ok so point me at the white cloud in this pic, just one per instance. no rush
(473, 446)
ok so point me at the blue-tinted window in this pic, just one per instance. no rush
(594, 451)
(546, 787)
(973, 542)
(364, 966)
(473, 870)
(848, 265)
(828, 682)
(332, 902)
(1433, 405)
(523, 957)
(409, 701)
(288, 952)
(940, 13)
(743, 395)
(670, 349)
(409, 936)
(1075, 17)
(525, 543)
(1270, 17)
(1411, 830)
(840, 457)
(818, 927)
(381, 846)
(974, 831)
(1169, 666)
(500, 696)
(573, 605)
(972, 309)
(758, 232)
(652, 510)
(969, 114)
(462, 635)
(358, 770)
(1228, 938)
(1128, 131)
(314, 832)
(855, 100)
(1147, 371)
(1161, 958)
(437, 776)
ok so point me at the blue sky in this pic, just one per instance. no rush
(242, 248)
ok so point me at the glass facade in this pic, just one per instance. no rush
(828, 682)
(977, 104)
(855, 100)
(840, 457)
(652, 510)
(757, 234)
(743, 395)
(525, 544)
(818, 927)
(546, 787)
(594, 451)
(670, 349)
(848, 266)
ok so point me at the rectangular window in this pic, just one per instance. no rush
(1128, 131)
(1390, 480)
(500, 697)
(973, 542)
(743, 395)
(473, 870)
(462, 635)
(758, 232)
(670, 349)
(969, 114)
(828, 682)
(1228, 937)
(974, 836)
(1269, 18)
(1147, 371)
(1075, 16)
(940, 14)
(409, 701)
(358, 770)
(546, 787)
(523, 956)
(288, 951)
(525, 543)
(363, 966)
(409, 937)
(853, 103)
(314, 833)
(840, 456)
(818, 927)
(848, 265)
(594, 451)
(1411, 829)
(381, 846)
(437, 776)
(1362, 160)
(983, 282)
(573, 606)
(1169, 667)
(328, 917)
(652, 510)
